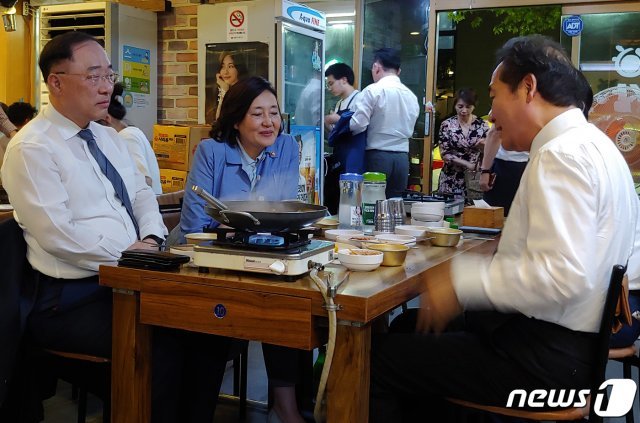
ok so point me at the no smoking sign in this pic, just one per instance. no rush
(236, 18)
(237, 23)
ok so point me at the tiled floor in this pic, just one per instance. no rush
(61, 409)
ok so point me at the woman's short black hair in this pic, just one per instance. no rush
(19, 113)
(116, 108)
(559, 82)
(468, 95)
(60, 48)
(235, 106)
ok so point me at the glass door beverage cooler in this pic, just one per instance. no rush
(300, 88)
(283, 42)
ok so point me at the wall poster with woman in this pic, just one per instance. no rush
(226, 64)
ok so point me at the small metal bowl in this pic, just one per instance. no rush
(394, 254)
(444, 237)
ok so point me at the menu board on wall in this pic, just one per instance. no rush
(136, 76)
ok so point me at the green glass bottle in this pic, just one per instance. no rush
(318, 366)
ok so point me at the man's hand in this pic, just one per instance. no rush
(485, 182)
(439, 304)
(331, 119)
(144, 245)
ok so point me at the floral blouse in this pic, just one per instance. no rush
(453, 143)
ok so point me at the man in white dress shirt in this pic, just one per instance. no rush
(388, 111)
(72, 217)
(532, 310)
(72, 220)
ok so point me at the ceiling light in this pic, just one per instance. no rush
(347, 21)
(340, 15)
(414, 33)
(330, 62)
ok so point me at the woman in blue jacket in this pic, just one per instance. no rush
(249, 158)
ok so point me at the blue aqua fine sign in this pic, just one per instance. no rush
(572, 25)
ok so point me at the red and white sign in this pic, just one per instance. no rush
(237, 24)
(236, 18)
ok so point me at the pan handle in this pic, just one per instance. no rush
(213, 201)
(246, 215)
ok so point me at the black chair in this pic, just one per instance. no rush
(602, 357)
(629, 358)
(170, 207)
(239, 354)
(87, 373)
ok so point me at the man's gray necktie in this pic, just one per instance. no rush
(111, 173)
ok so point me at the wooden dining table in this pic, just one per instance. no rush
(263, 308)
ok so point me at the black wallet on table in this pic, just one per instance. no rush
(152, 260)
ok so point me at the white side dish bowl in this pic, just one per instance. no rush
(327, 223)
(333, 234)
(417, 231)
(360, 259)
(356, 241)
(397, 239)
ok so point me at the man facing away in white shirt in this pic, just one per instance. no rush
(388, 111)
(532, 310)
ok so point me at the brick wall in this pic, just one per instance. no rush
(178, 63)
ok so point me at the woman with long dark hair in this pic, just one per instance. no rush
(231, 69)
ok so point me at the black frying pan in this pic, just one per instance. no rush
(262, 216)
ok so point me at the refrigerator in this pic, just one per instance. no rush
(279, 40)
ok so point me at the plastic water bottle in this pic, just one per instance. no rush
(350, 208)
(373, 188)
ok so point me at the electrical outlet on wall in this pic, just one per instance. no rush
(26, 9)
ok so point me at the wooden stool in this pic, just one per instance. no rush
(83, 384)
(239, 354)
(568, 414)
(628, 356)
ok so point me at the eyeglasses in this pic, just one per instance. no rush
(110, 78)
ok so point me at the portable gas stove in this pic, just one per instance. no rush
(452, 205)
(282, 253)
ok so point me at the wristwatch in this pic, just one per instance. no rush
(157, 239)
(485, 170)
